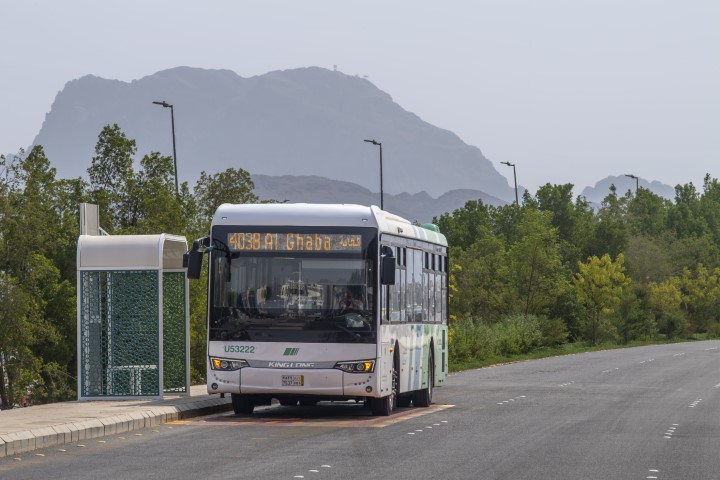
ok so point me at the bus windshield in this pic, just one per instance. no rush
(279, 297)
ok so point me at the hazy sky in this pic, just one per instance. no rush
(569, 90)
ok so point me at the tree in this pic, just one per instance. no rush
(112, 177)
(599, 285)
(666, 300)
(611, 233)
(34, 229)
(481, 283)
(647, 213)
(231, 186)
(18, 366)
(535, 263)
(685, 218)
(463, 227)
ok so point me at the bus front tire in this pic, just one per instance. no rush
(242, 404)
(383, 406)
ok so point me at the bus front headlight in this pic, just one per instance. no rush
(227, 365)
(356, 366)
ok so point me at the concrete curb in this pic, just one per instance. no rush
(34, 439)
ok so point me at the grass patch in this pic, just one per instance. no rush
(564, 349)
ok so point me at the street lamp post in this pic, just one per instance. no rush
(375, 142)
(515, 177)
(172, 120)
(637, 181)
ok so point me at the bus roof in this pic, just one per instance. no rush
(313, 214)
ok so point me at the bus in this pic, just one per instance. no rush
(310, 303)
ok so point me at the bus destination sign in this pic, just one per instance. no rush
(294, 242)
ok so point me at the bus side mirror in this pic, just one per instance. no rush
(192, 260)
(387, 266)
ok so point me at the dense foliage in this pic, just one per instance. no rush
(39, 228)
(550, 271)
(554, 270)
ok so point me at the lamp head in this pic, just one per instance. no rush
(163, 103)
(374, 142)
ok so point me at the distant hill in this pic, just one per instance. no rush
(601, 189)
(313, 189)
(301, 122)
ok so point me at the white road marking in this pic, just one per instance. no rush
(411, 433)
(717, 386)
(314, 471)
(678, 355)
(667, 436)
(676, 424)
(39, 454)
(418, 430)
(325, 466)
(443, 421)
(299, 476)
(653, 470)
(61, 450)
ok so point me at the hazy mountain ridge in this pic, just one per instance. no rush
(303, 126)
(601, 189)
(313, 189)
(302, 122)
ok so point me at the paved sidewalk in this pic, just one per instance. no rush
(42, 426)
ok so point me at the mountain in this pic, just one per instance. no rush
(623, 183)
(300, 122)
(313, 189)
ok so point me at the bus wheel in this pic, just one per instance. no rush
(384, 406)
(242, 404)
(423, 398)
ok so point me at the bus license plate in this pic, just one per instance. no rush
(293, 380)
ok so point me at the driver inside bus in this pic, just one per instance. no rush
(348, 302)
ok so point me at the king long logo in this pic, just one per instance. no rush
(291, 351)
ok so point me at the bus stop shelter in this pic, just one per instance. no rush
(133, 316)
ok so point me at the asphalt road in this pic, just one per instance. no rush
(640, 413)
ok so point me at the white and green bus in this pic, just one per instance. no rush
(310, 303)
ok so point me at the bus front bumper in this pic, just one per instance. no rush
(319, 382)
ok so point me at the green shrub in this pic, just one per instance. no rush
(470, 339)
(518, 334)
(554, 331)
